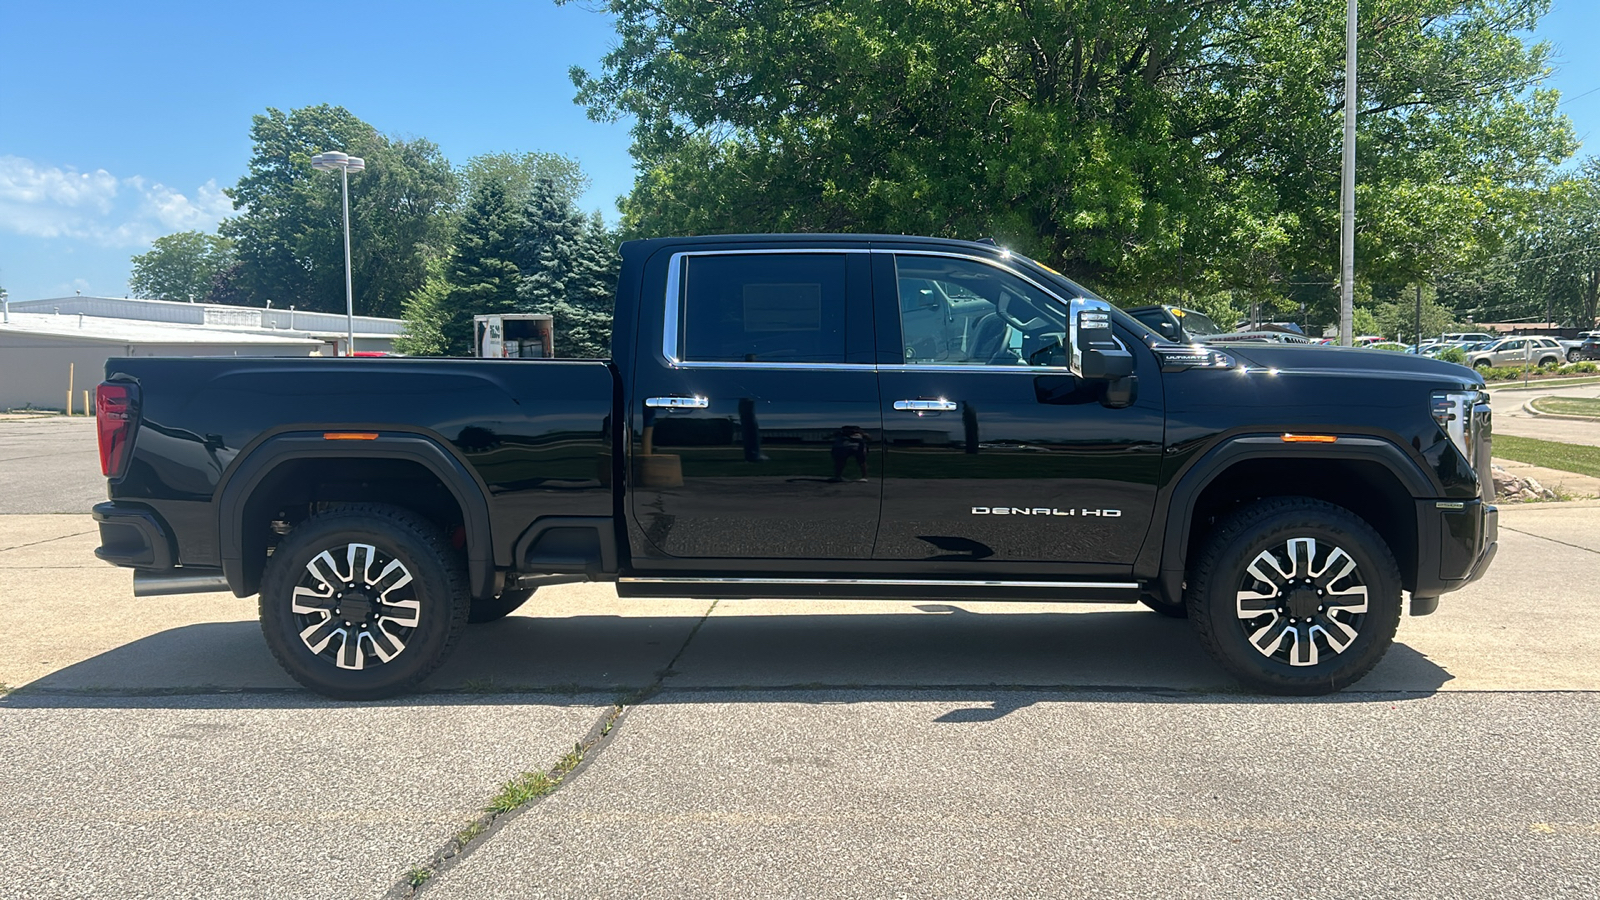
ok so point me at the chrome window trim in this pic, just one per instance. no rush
(673, 312)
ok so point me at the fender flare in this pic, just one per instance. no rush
(249, 472)
(1206, 469)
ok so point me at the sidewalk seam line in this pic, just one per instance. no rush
(47, 540)
(1551, 540)
(477, 832)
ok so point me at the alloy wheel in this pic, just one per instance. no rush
(360, 614)
(1301, 601)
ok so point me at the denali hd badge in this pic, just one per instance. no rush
(1042, 511)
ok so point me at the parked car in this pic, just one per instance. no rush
(1590, 348)
(1517, 351)
(811, 416)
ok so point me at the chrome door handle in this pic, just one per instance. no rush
(677, 402)
(940, 404)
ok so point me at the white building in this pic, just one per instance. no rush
(372, 333)
(46, 358)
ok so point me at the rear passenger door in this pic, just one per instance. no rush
(757, 432)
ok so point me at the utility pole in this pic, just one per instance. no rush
(1419, 314)
(1347, 188)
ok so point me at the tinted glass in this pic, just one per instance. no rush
(958, 312)
(765, 308)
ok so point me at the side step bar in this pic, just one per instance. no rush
(878, 589)
(186, 580)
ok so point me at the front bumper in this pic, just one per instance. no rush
(1456, 542)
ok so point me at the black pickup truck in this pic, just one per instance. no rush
(810, 416)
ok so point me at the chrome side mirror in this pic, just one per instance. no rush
(1096, 354)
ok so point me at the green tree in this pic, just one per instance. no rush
(483, 274)
(424, 313)
(1557, 261)
(1144, 146)
(288, 232)
(519, 172)
(592, 291)
(182, 266)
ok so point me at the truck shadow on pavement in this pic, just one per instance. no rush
(938, 650)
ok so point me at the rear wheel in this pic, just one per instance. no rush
(1573, 355)
(497, 608)
(1295, 596)
(363, 602)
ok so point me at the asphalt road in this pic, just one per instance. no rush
(150, 747)
(49, 465)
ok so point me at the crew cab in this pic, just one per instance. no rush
(807, 416)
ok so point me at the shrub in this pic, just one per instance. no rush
(1455, 355)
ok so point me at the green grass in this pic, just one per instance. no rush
(1550, 454)
(1568, 406)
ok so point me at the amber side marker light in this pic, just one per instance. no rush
(349, 435)
(1309, 438)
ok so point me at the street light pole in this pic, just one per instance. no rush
(327, 162)
(1347, 187)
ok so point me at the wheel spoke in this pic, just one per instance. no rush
(1338, 634)
(1304, 651)
(393, 577)
(1270, 636)
(385, 646)
(360, 557)
(308, 600)
(350, 655)
(326, 571)
(1352, 599)
(1264, 576)
(1302, 553)
(318, 634)
(1251, 604)
(401, 612)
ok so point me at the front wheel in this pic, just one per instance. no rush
(363, 602)
(1295, 596)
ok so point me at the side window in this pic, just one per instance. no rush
(768, 307)
(961, 312)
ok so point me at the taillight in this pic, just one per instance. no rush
(116, 410)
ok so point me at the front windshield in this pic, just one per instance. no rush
(1198, 324)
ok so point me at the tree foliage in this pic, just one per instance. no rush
(289, 234)
(181, 266)
(1145, 146)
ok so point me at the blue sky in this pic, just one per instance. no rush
(122, 121)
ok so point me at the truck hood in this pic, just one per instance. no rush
(1323, 358)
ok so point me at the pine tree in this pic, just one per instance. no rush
(546, 252)
(483, 273)
(592, 290)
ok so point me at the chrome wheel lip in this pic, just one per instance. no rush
(1272, 602)
(377, 585)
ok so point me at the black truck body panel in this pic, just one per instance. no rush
(809, 478)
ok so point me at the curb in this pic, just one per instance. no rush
(1529, 409)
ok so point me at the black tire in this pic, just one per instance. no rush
(416, 622)
(1311, 662)
(1482, 363)
(496, 608)
(1549, 361)
(1170, 610)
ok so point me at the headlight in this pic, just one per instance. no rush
(1453, 410)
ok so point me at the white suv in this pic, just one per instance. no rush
(1515, 351)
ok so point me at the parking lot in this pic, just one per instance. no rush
(151, 747)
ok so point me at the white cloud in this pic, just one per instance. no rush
(98, 207)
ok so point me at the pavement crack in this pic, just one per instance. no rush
(1551, 540)
(526, 790)
(48, 540)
